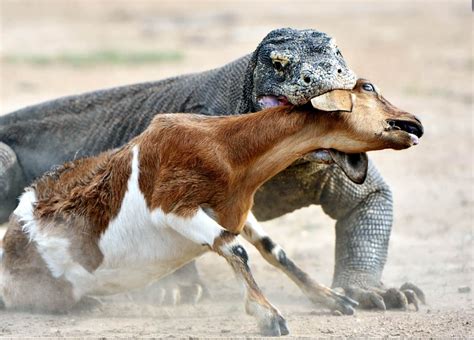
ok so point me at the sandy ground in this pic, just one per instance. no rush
(419, 53)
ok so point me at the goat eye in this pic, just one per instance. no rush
(278, 65)
(368, 87)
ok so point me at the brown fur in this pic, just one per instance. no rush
(205, 160)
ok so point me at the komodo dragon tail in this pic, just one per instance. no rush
(2, 304)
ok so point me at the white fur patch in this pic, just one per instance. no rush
(53, 249)
(25, 208)
(200, 228)
(126, 236)
(257, 231)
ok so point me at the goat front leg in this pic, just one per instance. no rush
(275, 255)
(202, 229)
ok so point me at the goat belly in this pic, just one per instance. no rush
(148, 255)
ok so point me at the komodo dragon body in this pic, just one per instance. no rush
(289, 66)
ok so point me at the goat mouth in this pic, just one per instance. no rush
(267, 101)
(414, 129)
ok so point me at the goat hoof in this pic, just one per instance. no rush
(344, 304)
(346, 309)
(275, 327)
(270, 329)
(283, 326)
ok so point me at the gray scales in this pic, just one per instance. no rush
(289, 66)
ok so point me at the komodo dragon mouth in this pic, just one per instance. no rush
(272, 101)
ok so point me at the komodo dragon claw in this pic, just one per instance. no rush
(391, 298)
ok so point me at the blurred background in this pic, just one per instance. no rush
(418, 52)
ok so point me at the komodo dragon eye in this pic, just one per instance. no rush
(368, 87)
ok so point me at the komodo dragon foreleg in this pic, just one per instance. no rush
(364, 215)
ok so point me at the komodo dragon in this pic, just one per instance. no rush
(288, 66)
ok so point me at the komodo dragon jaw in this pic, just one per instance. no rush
(294, 70)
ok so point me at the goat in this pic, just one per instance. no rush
(132, 215)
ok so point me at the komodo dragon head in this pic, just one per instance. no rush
(292, 66)
(289, 67)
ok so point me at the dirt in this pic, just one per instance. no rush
(418, 53)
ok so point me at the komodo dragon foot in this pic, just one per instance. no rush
(384, 298)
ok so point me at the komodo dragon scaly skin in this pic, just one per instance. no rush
(288, 66)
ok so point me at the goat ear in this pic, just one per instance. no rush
(354, 165)
(336, 100)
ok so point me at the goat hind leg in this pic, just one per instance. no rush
(276, 256)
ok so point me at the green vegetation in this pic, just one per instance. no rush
(97, 57)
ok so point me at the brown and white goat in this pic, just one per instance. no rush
(185, 186)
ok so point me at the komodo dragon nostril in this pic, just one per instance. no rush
(307, 79)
